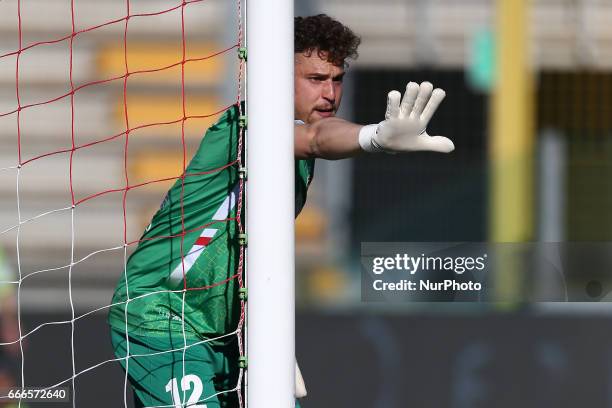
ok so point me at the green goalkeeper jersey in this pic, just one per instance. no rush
(206, 262)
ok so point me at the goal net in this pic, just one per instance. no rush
(102, 107)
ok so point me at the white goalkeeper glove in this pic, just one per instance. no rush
(300, 387)
(405, 126)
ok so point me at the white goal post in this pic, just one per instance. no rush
(270, 205)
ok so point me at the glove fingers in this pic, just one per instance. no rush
(438, 144)
(393, 105)
(423, 96)
(412, 89)
(436, 98)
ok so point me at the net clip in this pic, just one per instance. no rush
(242, 362)
(242, 53)
(242, 173)
(242, 239)
(242, 293)
(243, 122)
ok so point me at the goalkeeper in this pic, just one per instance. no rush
(178, 340)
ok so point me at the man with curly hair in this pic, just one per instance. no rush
(322, 48)
(179, 342)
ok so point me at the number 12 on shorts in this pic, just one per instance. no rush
(186, 384)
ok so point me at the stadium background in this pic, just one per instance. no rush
(352, 353)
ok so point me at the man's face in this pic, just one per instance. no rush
(318, 87)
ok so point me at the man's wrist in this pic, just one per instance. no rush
(367, 141)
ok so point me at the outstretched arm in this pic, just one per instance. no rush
(330, 138)
(403, 130)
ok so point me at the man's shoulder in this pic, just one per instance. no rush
(230, 116)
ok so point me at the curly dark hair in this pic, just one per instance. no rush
(328, 37)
